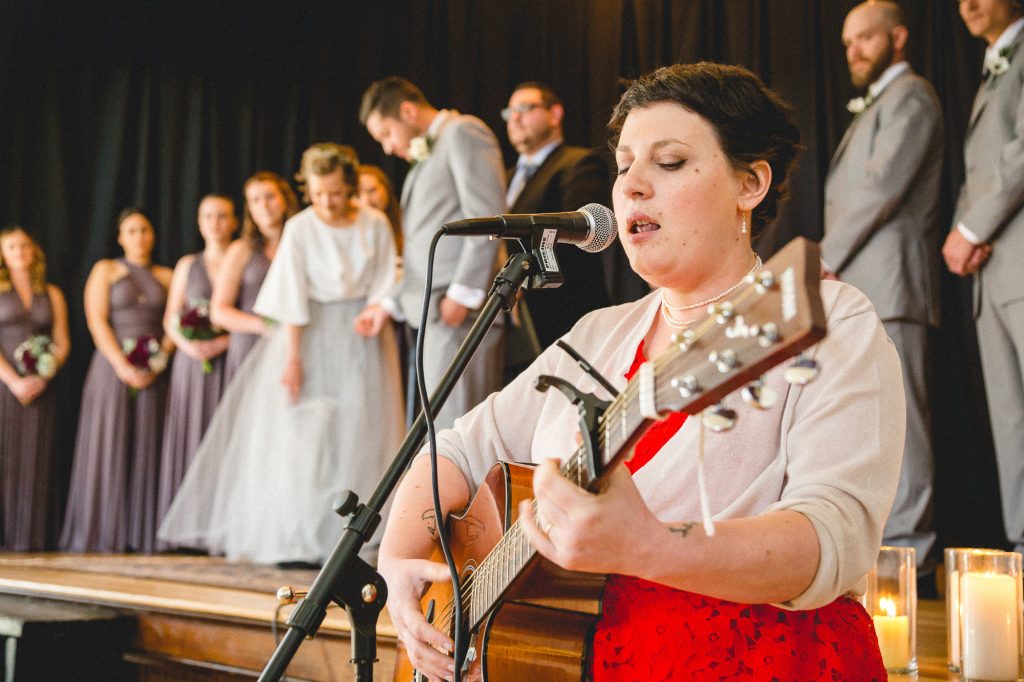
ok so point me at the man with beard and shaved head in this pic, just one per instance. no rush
(987, 239)
(881, 230)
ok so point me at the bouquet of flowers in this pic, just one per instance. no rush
(144, 352)
(37, 355)
(195, 325)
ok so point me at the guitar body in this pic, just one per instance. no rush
(543, 626)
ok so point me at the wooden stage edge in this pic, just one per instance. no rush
(190, 630)
(219, 630)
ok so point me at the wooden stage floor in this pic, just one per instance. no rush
(196, 618)
(201, 618)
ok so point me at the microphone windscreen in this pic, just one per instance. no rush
(604, 227)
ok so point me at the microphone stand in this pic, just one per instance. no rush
(345, 578)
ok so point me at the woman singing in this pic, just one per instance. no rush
(798, 495)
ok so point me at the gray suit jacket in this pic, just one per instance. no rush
(881, 202)
(462, 177)
(992, 196)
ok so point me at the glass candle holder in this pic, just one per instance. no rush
(891, 599)
(953, 659)
(990, 615)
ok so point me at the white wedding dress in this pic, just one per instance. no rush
(263, 481)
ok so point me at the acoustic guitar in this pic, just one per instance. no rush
(527, 618)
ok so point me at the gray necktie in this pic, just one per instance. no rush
(524, 172)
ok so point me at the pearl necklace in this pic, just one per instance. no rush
(668, 309)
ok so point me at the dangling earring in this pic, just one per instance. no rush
(743, 224)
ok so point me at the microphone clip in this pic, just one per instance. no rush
(548, 274)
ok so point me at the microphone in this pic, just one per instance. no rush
(591, 228)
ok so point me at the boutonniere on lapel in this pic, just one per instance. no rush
(419, 148)
(996, 64)
(857, 105)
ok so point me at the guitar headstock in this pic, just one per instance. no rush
(776, 315)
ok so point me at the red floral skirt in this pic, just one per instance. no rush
(649, 631)
(653, 632)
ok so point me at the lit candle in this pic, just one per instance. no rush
(893, 636)
(988, 602)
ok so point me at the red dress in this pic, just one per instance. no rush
(648, 631)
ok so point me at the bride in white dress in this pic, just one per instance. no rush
(316, 408)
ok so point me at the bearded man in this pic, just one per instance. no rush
(881, 231)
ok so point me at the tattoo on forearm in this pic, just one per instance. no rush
(431, 521)
(684, 529)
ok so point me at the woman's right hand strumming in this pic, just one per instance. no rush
(412, 536)
(408, 580)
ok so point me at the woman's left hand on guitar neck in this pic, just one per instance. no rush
(757, 560)
(605, 533)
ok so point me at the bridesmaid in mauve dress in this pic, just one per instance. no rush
(197, 375)
(269, 202)
(113, 499)
(28, 307)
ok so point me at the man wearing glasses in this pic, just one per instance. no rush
(551, 176)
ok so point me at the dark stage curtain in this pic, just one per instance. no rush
(111, 103)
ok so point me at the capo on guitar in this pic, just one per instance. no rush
(590, 409)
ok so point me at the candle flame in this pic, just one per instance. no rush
(887, 606)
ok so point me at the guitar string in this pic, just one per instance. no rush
(492, 562)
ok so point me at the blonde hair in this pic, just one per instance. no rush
(323, 158)
(37, 271)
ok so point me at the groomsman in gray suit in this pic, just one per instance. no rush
(987, 238)
(881, 230)
(456, 173)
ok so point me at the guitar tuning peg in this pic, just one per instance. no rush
(687, 385)
(684, 339)
(762, 281)
(719, 418)
(722, 312)
(756, 394)
(768, 334)
(724, 360)
(803, 371)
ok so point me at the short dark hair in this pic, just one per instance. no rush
(547, 93)
(386, 96)
(752, 122)
(128, 211)
(218, 195)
